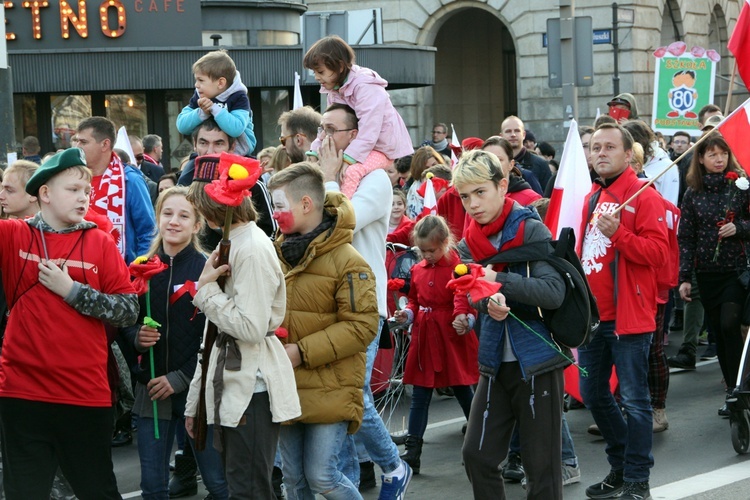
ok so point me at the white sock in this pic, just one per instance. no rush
(398, 471)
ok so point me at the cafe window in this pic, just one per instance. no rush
(180, 146)
(67, 112)
(25, 120)
(273, 103)
(128, 110)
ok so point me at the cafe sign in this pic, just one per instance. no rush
(68, 24)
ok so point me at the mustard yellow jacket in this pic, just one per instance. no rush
(332, 315)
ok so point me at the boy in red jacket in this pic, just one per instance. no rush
(62, 278)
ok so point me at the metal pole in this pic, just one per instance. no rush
(8, 131)
(567, 52)
(616, 48)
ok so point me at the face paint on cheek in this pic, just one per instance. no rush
(285, 220)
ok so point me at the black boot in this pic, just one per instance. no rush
(412, 453)
(184, 482)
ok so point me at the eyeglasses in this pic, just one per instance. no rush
(330, 130)
(283, 138)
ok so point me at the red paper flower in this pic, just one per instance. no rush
(395, 284)
(237, 175)
(143, 269)
(731, 176)
(282, 332)
(437, 185)
(472, 283)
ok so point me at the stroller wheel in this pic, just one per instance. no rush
(741, 433)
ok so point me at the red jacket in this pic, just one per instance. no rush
(450, 207)
(641, 247)
(402, 234)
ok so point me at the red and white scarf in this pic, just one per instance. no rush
(108, 198)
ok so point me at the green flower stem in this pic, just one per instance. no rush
(149, 322)
(583, 371)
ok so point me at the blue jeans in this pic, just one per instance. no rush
(420, 406)
(373, 435)
(155, 455)
(310, 456)
(628, 441)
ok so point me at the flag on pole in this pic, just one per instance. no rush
(736, 129)
(297, 103)
(457, 143)
(572, 184)
(430, 200)
(598, 114)
(739, 42)
(123, 142)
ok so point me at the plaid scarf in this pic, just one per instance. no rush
(108, 198)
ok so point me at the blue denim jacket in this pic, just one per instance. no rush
(526, 286)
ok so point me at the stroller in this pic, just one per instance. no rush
(391, 395)
(738, 404)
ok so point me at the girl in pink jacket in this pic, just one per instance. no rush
(382, 136)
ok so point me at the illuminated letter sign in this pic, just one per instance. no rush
(36, 25)
(68, 17)
(104, 10)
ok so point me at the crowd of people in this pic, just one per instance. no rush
(283, 395)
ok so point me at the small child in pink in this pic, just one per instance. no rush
(381, 137)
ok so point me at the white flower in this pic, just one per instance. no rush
(742, 183)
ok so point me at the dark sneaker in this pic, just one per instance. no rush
(367, 476)
(709, 353)
(635, 491)
(683, 360)
(513, 470)
(724, 411)
(610, 487)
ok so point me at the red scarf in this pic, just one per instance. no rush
(108, 198)
(477, 236)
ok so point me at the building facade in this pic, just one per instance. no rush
(469, 63)
(491, 61)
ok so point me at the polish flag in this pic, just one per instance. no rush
(739, 42)
(572, 184)
(736, 129)
(457, 143)
(297, 102)
(430, 200)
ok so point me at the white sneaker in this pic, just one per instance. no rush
(571, 474)
(661, 423)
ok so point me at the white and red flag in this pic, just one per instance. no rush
(736, 129)
(572, 184)
(739, 42)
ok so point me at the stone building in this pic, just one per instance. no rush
(491, 61)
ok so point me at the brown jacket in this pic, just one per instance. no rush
(332, 315)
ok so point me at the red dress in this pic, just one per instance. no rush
(438, 356)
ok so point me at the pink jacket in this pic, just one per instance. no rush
(380, 126)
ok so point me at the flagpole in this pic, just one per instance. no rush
(654, 179)
(731, 87)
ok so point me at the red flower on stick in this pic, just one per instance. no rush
(395, 284)
(469, 280)
(282, 332)
(143, 269)
(731, 176)
(237, 175)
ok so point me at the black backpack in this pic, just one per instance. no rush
(575, 322)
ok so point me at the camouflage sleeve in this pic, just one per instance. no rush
(115, 309)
